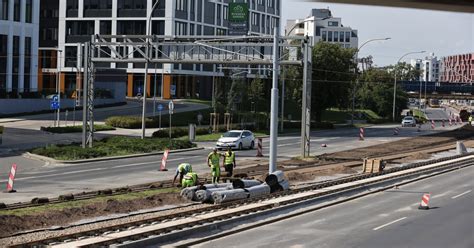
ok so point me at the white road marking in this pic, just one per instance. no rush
(290, 144)
(456, 196)
(382, 226)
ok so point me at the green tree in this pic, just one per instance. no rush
(331, 77)
(256, 92)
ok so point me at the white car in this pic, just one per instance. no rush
(236, 139)
(409, 121)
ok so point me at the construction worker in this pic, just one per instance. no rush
(229, 161)
(183, 169)
(213, 161)
(189, 180)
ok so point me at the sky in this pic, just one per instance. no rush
(439, 32)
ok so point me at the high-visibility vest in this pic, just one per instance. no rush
(185, 168)
(229, 157)
(214, 158)
(189, 179)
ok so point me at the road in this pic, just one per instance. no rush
(387, 219)
(437, 114)
(37, 179)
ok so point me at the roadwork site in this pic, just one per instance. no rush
(161, 199)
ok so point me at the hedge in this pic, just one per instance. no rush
(111, 146)
(132, 122)
(75, 129)
(1, 129)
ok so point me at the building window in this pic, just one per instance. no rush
(221, 31)
(79, 31)
(131, 27)
(29, 11)
(270, 3)
(158, 27)
(16, 63)
(341, 36)
(330, 36)
(160, 9)
(226, 12)
(94, 8)
(348, 36)
(16, 10)
(131, 8)
(180, 28)
(333, 24)
(3, 60)
(324, 36)
(336, 36)
(3, 10)
(106, 27)
(219, 14)
(181, 5)
(191, 29)
(72, 8)
(260, 2)
(27, 66)
(70, 59)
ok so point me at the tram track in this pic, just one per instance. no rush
(187, 220)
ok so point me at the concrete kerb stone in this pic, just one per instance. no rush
(54, 161)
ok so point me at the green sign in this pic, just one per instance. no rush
(238, 12)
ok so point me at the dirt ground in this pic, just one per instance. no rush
(308, 170)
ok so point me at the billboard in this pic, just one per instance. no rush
(238, 18)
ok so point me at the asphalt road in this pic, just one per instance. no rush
(387, 219)
(437, 114)
(37, 179)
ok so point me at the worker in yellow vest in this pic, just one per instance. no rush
(229, 161)
(189, 180)
(213, 161)
(183, 169)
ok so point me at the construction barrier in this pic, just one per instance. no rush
(163, 161)
(259, 147)
(450, 122)
(433, 124)
(396, 131)
(11, 179)
(425, 202)
(419, 128)
(361, 133)
(442, 123)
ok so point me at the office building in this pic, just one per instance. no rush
(457, 68)
(429, 66)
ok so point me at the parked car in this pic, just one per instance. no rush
(237, 139)
(409, 121)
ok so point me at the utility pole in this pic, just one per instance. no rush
(282, 100)
(306, 103)
(274, 104)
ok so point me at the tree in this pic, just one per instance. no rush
(331, 77)
(256, 92)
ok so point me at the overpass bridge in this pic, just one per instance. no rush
(448, 91)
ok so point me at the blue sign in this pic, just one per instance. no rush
(160, 107)
(54, 105)
(173, 90)
(55, 98)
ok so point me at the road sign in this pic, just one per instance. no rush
(160, 107)
(173, 90)
(238, 18)
(171, 107)
(55, 98)
(54, 105)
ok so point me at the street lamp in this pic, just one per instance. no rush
(357, 80)
(146, 67)
(395, 81)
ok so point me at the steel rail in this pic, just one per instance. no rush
(213, 208)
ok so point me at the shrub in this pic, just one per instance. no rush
(133, 122)
(176, 132)
(75, 129)
(1, 129)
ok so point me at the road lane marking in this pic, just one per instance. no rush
(169, 160)
(456, 196)
(392, 222)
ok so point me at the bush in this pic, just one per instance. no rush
(75, 129)
(176, 132)
(132, 122)
(112, 146)
(1, 129)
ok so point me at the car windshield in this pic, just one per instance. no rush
(408, 118)
(231, 134)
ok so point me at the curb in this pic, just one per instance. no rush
(54, 161)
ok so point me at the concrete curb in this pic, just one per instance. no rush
(54, 161)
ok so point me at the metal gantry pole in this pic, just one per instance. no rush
(394, 96)
(154, 94)
(85, 92)
(274, 104)
(58, 80)
(145, 85)
(306, 103)
(282, 100)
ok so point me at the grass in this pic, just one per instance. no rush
(111, 146)
(76, 129)
(205, 102)
(214, 136)
(81, 203)
(334, 115)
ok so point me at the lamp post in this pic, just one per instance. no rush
(58, 85)
(145, 83)
(395, 82)
(357, 80)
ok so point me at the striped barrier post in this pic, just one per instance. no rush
(455, 120)
(163, 161)
(259, 147)
(396, 131)
(450, 121)
(11, 179)
(361, 133)
(425, 202)
(419, 128)
(433, 124)
(442, 123)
